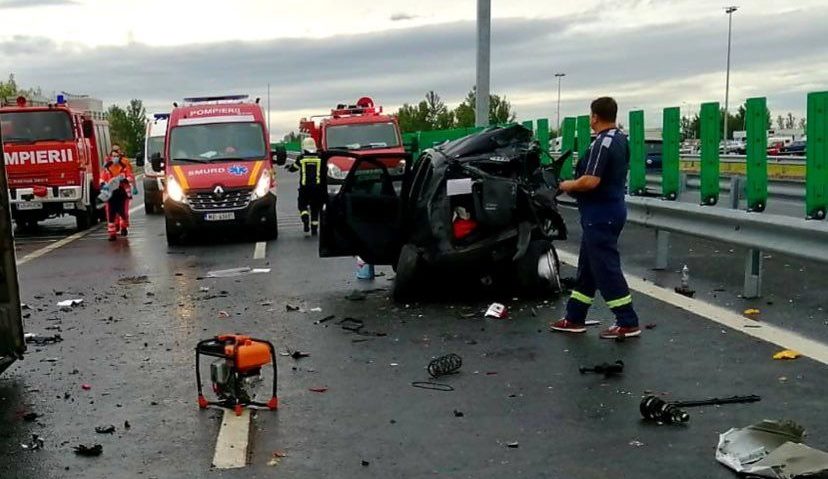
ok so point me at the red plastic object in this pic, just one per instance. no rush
(273, 404)
(86, 387)
(463, 228)
(202, 402)
(237, 409)
(40, 191)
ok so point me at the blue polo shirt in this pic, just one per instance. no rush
(608, 157)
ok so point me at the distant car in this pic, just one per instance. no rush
(775, 148)
(481, 208)
(653, 160)
(797, 148)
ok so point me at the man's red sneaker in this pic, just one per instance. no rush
(616, 331)
(567, 326)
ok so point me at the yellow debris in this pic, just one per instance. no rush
(786, 354)
(751, 312)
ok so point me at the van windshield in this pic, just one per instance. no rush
(155, 144)
(217, 142)
(362, 136)
(34, 126)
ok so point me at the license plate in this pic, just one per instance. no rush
(31, 205)
(220, 216)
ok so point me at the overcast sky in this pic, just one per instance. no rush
(316, 53)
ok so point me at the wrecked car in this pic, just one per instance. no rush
(481, 207)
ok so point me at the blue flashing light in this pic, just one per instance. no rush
(61, 100)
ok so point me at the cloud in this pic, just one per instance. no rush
(9, 4)
(643, 67)
(399, 17)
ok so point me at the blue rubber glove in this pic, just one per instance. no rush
(134, 190)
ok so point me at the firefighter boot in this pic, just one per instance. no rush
(314, 229)
(124, 232)
(305, 223)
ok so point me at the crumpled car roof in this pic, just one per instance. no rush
(487, 141)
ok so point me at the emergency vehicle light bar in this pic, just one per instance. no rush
(203, 99)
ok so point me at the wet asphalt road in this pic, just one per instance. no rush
(518, 383)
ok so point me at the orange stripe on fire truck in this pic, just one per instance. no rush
(254, 176)
(181, 177)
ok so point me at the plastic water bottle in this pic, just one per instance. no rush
(364, 270)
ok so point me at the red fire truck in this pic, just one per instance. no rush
(53, 155)
(218, 167)
(359, 127)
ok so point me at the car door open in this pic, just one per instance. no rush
(365, 217)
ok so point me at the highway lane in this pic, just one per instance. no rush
(518, 382)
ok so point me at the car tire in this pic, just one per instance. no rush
(175, 233)
(529, 279)
(149, 208)
(269, 231)
(408, 268)
(86, 218)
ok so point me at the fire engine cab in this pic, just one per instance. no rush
(359, 127)
(53, 154)
(218, 168)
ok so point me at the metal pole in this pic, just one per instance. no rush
(560, 76)
(729, 11)
(484, 34)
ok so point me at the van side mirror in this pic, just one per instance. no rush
(157, 162)
(139, 159)
(279, 156)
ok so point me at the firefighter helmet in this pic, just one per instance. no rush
(309, 145)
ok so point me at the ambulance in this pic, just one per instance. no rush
(218, 168)
(53, 154)
(153, 146)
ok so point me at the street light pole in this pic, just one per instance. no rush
(484, 34)
(559, 76)
(729, 11)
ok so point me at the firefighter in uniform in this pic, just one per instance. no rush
(310, 185)
(117, 177)
(599, 188)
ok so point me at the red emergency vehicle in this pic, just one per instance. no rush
(53, 155)
(359, 127)
(218, 168)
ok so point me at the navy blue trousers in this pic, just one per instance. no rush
(599, 269)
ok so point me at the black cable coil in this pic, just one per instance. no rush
(448, 364)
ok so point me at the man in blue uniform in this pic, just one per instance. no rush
(599, 188)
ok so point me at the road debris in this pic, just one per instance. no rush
(88, 451)
(684, 289)
(68, 304)
(276, 458)
(432, 385)
(30, 416)
(35, 444)
(316, 310)
(40, 340)
(299, 354)
(592, 322)
(606, 369)
(513, 445)
(356, 295)
(318, 389)
(458, 413)
(751, 312)
(657, 409)
(444, 365)
(236, 272)
(110, 429)
(143, 279)
(650, 326)
(223, 314)
(786, 354)
(86, 387)
(325, 319)
(127, 425)
(497, 311)
(770, 449)
(635, 443)
(365, 463)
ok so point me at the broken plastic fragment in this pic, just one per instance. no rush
(513, 445)
(88, 451)
(86, 387)
(786, 354)
(751, 312)
(318, 390)
(110, 429)
(69, 303)
(497, 310)
(234, 272)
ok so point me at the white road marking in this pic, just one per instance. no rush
(232, 441)
(815, 350)
(260, 250)
(65, 241)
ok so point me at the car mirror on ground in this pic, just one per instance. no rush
(157, 162)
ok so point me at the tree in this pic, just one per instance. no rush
(9, 90)
(500, 110)
(413, 117)
(128, 126)
(790, 121)
(803, 123)
(292, 137)
(780, 122)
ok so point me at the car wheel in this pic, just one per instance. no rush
(175, 233)
(149, 208)
(269, 230)
(538, 271)
(86, 218)
(405, 283)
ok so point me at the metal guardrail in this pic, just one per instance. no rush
(778, 189)
(761, 231)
